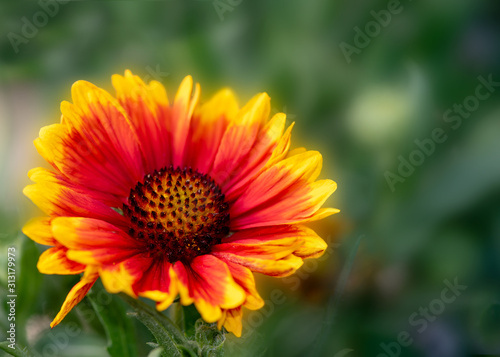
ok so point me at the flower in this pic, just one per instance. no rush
(161, 200)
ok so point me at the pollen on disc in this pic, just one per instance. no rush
(177, 214)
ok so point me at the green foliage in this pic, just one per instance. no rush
(118, 326)
(210, 339)
(17, 352)
(168, 335)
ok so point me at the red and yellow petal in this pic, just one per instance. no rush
(183, 108)
(39, 229)
(285, 193)
(159, 283)
(148, 108)
(76, 294)
(95, 145)
(123, 276)
(55, 261)
(256, 160)
(239, 139)
(276, 241)
(210, 285)
(92, 241)
(268, 250)
(232, 321)
(311, 245)
(208, 125)
(56, 198)
(244, 278)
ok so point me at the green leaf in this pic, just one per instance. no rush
(166, 333)
(157, 352)
(119, 328)
(16, 352)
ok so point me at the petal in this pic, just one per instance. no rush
(158, 283)
(39, 230)
(277, 242)
(53, 197)
(265, 243)
(95, 145)
(262, 150)
(208, 125)
(212, 287)
(76, 294)
(265, 250)
(239, 138)
(183, 284)
(149, 112)
(244, 278)
(279, 268)
(281, 150)
(92, 241)
(123, 276)
(285, 193)
(312, 245)
(232, 321)
(40, 174)
(55, 261)
(182, 112)
(274, 242)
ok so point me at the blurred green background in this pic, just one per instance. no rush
(363, 100)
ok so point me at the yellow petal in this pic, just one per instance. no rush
(76, 294)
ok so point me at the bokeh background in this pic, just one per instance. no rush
(402, 235)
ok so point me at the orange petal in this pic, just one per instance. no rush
(40, 231)
(158, 283)
(267, 250)
(92, 241)
(285, 193)
(76, 294)
(281, 267)
(256, 160)
(55, 261)
(149, 112)
(239, 138)
(208, 125)
(312, 245)
(212, 287)
(244, 277)
(232, 321)
(95, 144)
(281, 150)
(182, 112)
(122, 277)
(55, 198)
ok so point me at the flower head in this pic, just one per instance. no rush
(163, 199)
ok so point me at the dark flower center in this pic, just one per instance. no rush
(177, 214)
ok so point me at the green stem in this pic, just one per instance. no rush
(177, 336)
